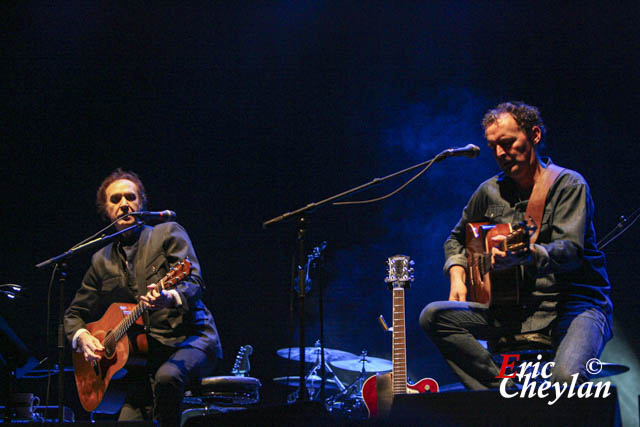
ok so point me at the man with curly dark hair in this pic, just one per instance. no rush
(565, 282)
(526, 116)
(182, 338)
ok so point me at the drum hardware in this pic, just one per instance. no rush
(349, 402)
(313, 380)
(313, 383)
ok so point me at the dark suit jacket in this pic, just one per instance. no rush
(159, 247)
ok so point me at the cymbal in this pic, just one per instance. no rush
(371, 364)
(312, 381)
(609, 370)
(312, 354)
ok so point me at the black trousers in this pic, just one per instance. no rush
(157, 390)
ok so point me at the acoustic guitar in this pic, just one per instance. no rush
(378, 390)
(487, 285)
(93, 378)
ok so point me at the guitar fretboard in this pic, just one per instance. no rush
(124, 325)
(399, 343)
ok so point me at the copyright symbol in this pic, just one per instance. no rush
(594, 366)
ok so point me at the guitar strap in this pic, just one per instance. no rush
(535, 206)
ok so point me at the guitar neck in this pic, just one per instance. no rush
(399, 343)
(124, 325)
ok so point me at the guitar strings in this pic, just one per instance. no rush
(121, 329)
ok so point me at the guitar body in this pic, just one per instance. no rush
(93, 381)
(120, 330)
(377, 392)
(487, 286)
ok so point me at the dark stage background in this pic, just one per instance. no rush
(235, 112)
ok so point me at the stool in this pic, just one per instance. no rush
(528, 346)
(220, 395)
(514, 343)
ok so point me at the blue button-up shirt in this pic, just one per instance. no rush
(568, 272)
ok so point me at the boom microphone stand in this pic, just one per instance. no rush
(302, 216)
(59, 260)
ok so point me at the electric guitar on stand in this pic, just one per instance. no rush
(241, 366)
(378, 390)
(93, 378)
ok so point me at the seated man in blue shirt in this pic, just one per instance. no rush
(565, 275)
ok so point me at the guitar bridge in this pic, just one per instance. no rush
(96, 368)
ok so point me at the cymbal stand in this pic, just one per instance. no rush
(309, 379)
(353, 390)
(328, 371)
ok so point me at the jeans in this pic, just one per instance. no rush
(455, 327)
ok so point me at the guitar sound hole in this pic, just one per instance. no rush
(109, 345)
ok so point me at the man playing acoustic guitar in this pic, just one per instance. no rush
(564, 287)
(182, 339)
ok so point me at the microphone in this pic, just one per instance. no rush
(161, 216)
(469, 150)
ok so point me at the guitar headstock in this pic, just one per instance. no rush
(518, 240)
(176, 274)
(317, 252)
(241, 366)
(399, 271)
